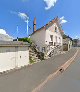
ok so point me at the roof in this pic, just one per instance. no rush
(55, 20)
(13, 43)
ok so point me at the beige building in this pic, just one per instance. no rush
(48, 36)
(67, 44)
(13, 55)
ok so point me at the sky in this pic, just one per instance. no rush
(14, 13)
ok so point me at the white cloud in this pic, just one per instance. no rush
(76, 36)
(23, 16)
(50, 3)
(62, 20)
(2, 31)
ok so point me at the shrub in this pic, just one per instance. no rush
(31, 60)
(25, 40)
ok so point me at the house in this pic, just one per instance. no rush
(67, 44)
(47, 37)
(13, 54)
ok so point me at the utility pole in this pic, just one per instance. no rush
(17, 33)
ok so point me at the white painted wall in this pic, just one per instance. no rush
(23, 56)
(42, 37)
(51, 31)
(10, 58)
(39, 38)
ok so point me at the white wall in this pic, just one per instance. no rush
(10, 59)
(23, 56)
(42, 37)
(39, 38)
(51, 31)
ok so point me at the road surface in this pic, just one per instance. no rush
(28, 78)
(68, 81)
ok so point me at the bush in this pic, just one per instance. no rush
(25, 40)
(31, 60)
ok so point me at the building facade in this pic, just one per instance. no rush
(13, 55)
(47, 37)
(67, 44)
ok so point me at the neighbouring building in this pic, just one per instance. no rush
(67, 44)
(78, 43)
(47, 37)
(13, 54)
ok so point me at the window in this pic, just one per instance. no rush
(51, 37)
(50, 43)
(55, 29)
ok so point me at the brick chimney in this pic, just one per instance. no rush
(34, 25)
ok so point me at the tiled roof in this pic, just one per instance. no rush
(55, 20)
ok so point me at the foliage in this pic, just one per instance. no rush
(66, 36)
(31, 60)
(25, 40)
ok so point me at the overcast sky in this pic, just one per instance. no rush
(14, 13)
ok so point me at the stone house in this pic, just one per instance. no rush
(13, 55)
(47, 37)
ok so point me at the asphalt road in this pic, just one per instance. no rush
(28, 78)
(68, 81)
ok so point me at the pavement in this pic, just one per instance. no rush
(68, 81)
(28, 78)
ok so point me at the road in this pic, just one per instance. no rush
(28, 78)
(68, 81)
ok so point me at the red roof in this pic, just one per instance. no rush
(55, 20)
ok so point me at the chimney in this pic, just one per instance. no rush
(34, 25)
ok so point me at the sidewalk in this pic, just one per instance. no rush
(26, 79)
